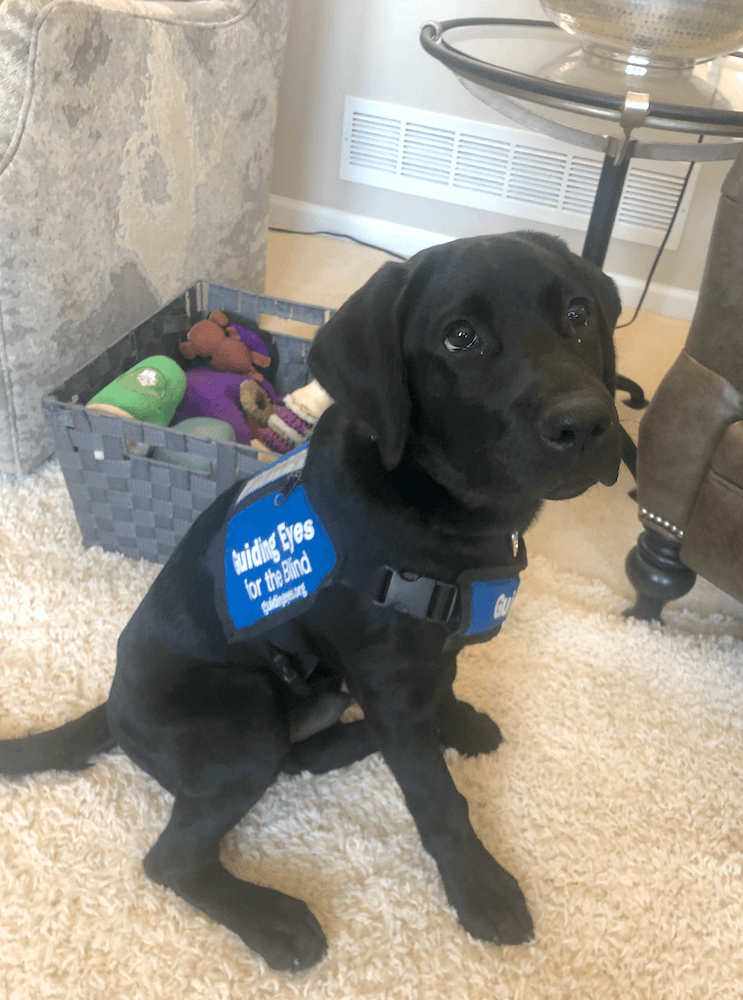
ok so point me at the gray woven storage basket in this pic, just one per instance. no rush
(140, 506)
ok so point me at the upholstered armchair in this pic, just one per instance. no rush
(690, 448)
(136, 141)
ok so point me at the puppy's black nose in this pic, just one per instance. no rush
(575, 421)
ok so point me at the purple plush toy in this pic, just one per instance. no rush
(215, 394)
(234, 352)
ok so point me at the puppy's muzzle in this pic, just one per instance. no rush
(581, 427)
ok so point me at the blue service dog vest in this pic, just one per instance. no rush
(277, 555)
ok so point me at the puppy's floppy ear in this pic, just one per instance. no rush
(357, 357)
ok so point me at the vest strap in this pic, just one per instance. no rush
(419, 596)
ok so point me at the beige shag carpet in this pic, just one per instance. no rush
(617, 798)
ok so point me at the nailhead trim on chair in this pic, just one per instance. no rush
(678, 532)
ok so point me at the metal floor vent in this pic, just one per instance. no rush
(506, 170)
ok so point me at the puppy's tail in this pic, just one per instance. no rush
(68, 748)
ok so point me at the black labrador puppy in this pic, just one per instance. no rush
(470, 383)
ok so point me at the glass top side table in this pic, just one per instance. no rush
(621, 110)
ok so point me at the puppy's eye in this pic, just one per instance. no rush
(577, 314)
(460, 337)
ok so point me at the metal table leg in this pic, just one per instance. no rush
(605, 206)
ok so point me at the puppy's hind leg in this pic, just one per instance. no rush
(186, 859)
(341, 745)
(218, 757)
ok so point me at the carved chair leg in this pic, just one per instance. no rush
(655, 571)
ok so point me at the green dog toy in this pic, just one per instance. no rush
(150, 391)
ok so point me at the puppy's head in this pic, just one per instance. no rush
(488, 362)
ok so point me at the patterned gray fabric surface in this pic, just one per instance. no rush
(136, 141)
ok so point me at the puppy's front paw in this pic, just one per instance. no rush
(467, 730)
(489, 902)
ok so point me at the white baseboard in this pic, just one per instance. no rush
(301, 215)
(665, 299)
(286, 213)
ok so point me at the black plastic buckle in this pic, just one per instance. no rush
(419, 596)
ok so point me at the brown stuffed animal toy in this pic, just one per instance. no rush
(219, 343)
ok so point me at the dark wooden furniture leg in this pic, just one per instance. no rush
(655, 571)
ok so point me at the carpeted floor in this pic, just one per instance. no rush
(616, 798)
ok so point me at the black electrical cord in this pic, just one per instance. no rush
(340, 236)
(662, 246)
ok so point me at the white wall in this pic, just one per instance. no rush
(370, 49)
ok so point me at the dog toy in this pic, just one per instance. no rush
(229, 387)
(201, 427)
(226, 347)
(225, 354)
(280, 428)
(308, 402)
(216, 394)
(150, 391)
